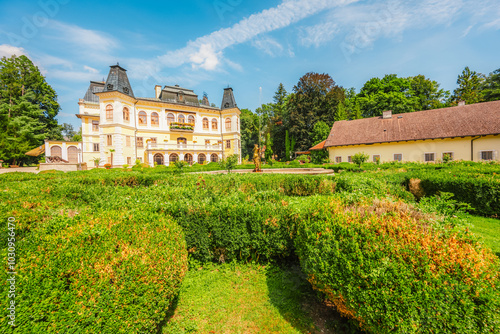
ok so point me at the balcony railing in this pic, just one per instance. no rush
(175, 126)
(183, 147)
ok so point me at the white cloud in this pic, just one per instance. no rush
(285, 14)
(7, 50)
(269, 45)
(318, 34)
(205, 58)
(467, 31)
(90, 69)
(85, 39)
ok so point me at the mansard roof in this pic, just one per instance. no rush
(95, 87)
(118, 81)
(179, 94)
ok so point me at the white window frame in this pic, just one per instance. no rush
(434, 156)
(448, 152)
(492, 155)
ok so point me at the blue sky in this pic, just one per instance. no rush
(208, 45)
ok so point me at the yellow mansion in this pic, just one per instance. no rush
(119, 128)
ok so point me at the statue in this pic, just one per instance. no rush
(256, 159)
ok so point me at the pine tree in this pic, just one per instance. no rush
(23, 130)
(341, 113)
(28, 107)
(287, 147)
(469, 87)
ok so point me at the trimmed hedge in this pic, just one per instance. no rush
(387, 268)
(103, 272)
(481, 191)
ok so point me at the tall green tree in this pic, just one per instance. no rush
(268, 153)
(491, 86)
(280, 121)
(341, 113)
(315, 98)
(18, 75)
(321, 131)
(21, 129)
(469, 87)
(28, 107)
(249, 132)
(427, 93)
(67, 131)
(388, 93)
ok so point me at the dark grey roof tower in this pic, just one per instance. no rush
(118, 81)
(95, 87)
(228, 99)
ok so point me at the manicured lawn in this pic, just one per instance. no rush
(249, 298)
(488, 229)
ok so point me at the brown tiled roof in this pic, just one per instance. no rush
(461, 121)
(318, 147)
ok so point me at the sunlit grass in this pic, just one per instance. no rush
(488, 229)
(250, 298)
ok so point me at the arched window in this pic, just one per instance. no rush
(202, 158)
(181, 119)
(191, 119)
(170, 118)
(109, 112)
(205, 123)
(56, 151)
(143, 118)
(126, 114)
(173, 157)
(155, 120)
(158, 159)
(214, 157)
(188, 158)
(72, 155)
(228, 124)
(214, 124)
(181, 141)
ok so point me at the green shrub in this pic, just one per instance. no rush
(359, 158)
(229, 163)
(482, 192)
(384, 266)
(111, 272)
(304, 185)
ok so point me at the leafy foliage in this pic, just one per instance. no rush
(315, 98)
(469, 87)
(382, 265)
(360, 158)
(491, 86)
(28, 107)
(230, 162)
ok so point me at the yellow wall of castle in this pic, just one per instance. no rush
(415, 151)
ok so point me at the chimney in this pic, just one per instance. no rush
(157, 91)
(387, 114)
(461, 103)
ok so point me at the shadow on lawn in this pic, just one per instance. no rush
(300, 305)
(170, 313)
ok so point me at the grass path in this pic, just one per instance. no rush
(488, 229)
(249, 298)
